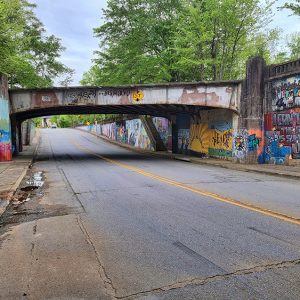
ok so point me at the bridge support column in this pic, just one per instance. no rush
(251, 121)
(14, 136)
(28, 132)
(174, 134)
(5, 129)
(19, 134)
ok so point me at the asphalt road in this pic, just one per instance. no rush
(109, 223)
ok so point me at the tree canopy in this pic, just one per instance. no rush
(29, 57)
(146, 41)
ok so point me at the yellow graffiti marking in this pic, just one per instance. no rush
(202, 138)
(138, 96)
(228, 200)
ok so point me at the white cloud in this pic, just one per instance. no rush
(73, 22)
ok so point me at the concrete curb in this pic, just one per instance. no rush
(10, 193)
(192, 159)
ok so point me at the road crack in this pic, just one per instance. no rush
(109, 287)
(68, 183)
(215, 278)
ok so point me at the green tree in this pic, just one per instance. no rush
(135, 42)
(215, 38)
(28, 55)
(37, 122)
(161, 41)
(75, 120)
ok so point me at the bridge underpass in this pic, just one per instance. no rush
(169, 101)
(239, 120)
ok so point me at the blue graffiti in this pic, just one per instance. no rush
(277, 154)
(4, 136)
(253, 142)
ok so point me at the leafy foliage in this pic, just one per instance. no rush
(183, 40)
(135, 42)
(215, 38)
(65, 121)
(28, 55)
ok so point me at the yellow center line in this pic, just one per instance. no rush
(245, 205)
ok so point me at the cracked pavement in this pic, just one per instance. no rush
(99, 230)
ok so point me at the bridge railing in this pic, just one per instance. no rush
(284, 69)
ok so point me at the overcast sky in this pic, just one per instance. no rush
(73, 21)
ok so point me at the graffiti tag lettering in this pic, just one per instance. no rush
(116, 92)
(253, 142)
(81, 96)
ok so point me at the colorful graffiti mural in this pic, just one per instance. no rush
(256, 141)
(109, 130)
(137, 135)
(286, 93)
(130, 132)
(183, 141)
(164, 129)
(121, 136)
(240, 144)
(275, 152)
(282, 131)
(199, 136)
(214, 139)
(5, 134)
(220, 139)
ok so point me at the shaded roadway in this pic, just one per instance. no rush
(149, 234)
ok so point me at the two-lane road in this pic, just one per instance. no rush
(114, 224)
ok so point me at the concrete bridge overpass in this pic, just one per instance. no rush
(157, 100)
(254, 120)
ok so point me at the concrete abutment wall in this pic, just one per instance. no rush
(13, 134)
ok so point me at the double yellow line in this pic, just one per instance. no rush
(201, 192)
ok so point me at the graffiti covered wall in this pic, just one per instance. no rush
(5, 134)
(164, 129)
(132, 132)
(137, 135)
(286, 93)
(220, 138)
(212, 133)
(240, 144)
(199, 138)
(282, 134)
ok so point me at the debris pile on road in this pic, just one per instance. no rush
(22, 195)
